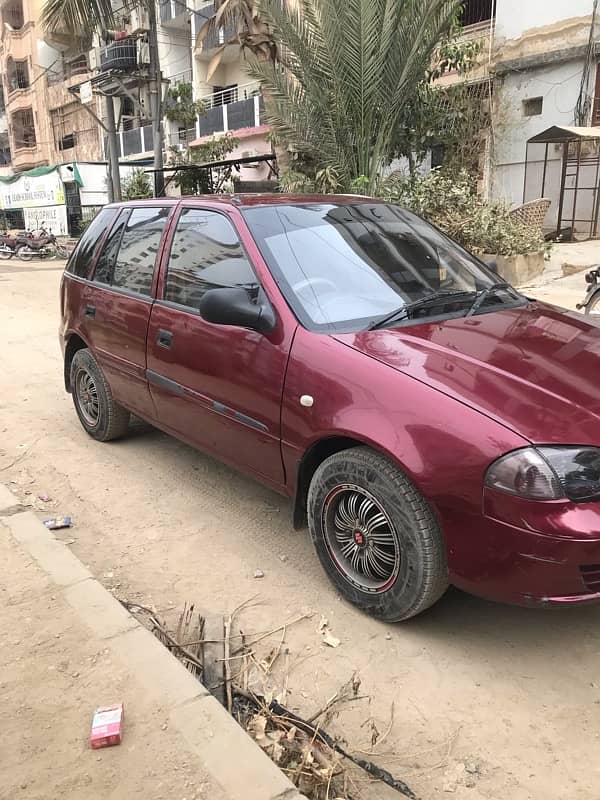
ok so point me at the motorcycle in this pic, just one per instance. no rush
(41, 245)
(8, 246)
(591, 302)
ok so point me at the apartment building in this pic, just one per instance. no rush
(45, 124)
(233, 103)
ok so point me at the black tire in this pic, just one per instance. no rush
(100, 416)
(62, 251)
(593, 307)
(6, 253)
(409, 535)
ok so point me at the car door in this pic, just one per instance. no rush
(219, 387)
(118, 301)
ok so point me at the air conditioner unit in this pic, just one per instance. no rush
(94, 58)
(139, 20)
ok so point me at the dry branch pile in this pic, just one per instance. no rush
(228, 664)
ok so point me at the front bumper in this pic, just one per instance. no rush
(530, 553)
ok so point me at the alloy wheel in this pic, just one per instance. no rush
(361, 538)
(87, 396)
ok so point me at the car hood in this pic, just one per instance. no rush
(534, 369)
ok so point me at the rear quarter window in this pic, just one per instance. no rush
(88, 246)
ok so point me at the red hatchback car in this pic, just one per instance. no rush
(433, 424)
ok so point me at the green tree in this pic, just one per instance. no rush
(181, 106)
(346, 71)
(136, 186)
(198, 180)
(77, 17)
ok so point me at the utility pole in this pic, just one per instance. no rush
(114, 184)
(156, 101)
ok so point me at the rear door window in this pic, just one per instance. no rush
(87, 248)
(134, 265)
(128, 258)
(206, 254)
(106, 260)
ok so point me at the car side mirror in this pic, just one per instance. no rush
(233, 306)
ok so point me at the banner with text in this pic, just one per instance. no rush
(52, 218)
(31, 192)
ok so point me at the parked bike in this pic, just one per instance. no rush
(44, 245)
(8, 246)
(591, 302)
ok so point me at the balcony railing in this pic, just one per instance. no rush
(219, 117)
(181, 77)
(214, 38)
(230, 110)
(133, 142)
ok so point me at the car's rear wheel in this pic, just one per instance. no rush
(376, 536)
(100, 416)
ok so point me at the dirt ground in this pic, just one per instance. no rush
(490, 701)
(53, 673)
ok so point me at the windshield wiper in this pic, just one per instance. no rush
(484, 294)
(406, 310)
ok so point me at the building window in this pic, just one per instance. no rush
(23, 128)
(533, 106)
(67, 142)
(475, 11)
(17, 74)
(12, 14)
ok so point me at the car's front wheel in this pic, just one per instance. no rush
(100, 416)
(376, 536)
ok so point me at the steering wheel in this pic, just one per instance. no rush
(312, 282)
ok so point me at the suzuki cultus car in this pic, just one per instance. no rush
(432, 424)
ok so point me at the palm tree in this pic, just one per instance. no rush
(77, 18)
(346, 70)
(243, 26)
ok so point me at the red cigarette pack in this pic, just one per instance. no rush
(106, 726)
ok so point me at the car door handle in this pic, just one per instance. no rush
(165, 338)
(90, 311)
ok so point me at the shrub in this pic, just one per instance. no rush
(136, 186)
(450, 201)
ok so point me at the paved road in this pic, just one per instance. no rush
(512, 693)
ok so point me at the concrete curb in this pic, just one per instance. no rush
(225, 751)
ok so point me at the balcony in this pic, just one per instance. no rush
(174, 14)
(231, 109)
(234, 109)
(134, 142)
(214, 38)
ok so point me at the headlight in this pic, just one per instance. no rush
(548, 473)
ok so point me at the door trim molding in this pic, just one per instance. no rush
(165, 383)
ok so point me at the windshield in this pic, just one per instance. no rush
(344, 267)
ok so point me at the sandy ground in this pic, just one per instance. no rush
(53, 673)
(490, 701)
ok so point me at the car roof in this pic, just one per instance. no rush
(248, 200)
